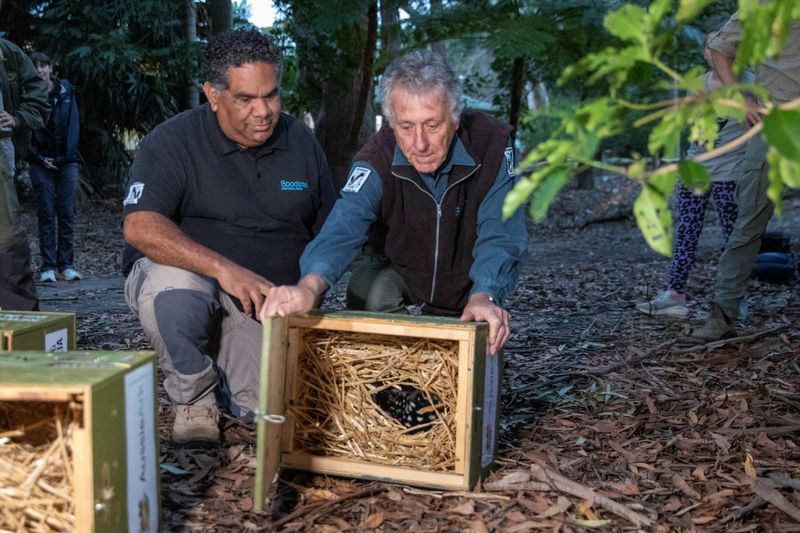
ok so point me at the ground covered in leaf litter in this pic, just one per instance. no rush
(605, 424)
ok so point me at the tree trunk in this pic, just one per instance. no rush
(367, 70)
(346, 117)
(220, 16)
(192, 95)
(390, 29)
(436, 10)
(517, 85)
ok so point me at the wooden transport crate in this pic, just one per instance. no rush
(347, 435)
(83, 428)
(32, 330)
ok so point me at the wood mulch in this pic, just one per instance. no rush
(605, 423)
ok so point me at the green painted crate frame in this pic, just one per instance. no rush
(37, 331)
(99, 385)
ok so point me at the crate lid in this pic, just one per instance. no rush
(69, 368)
(21, 321)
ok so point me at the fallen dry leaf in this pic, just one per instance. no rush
(562, 504)
(466, 508)
(749, 468)
(373, 521)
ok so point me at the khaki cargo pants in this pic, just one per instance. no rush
(755, 210)
(206, 347)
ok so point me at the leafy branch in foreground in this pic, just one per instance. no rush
(645, 34)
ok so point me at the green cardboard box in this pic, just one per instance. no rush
(32, 330)
(114, 438)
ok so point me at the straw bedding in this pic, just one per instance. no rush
(36, 467)
(334, 410)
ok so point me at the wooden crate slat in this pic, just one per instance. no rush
(343, 467)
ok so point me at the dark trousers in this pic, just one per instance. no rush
(17, 290)
(56, 195)
(375, 286)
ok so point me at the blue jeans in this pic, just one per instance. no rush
(56, 195)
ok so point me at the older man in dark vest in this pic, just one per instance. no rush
(426, 193)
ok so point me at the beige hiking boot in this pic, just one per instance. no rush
(717, 327)
(196, 425)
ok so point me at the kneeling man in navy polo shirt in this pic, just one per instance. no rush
(222, 199)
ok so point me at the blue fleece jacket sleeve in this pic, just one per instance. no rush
(501, 245)
(330, 253)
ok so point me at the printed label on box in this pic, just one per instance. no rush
(141, 440)
(491, 390)
(56, 341)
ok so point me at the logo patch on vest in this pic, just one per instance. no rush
(509, 153)
(134, 193)
(356, 180)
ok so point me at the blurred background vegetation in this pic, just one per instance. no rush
(135, 62)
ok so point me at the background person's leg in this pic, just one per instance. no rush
(66, 187)
(691, 216)
(44, 190)
(17, 290)
(754, 212)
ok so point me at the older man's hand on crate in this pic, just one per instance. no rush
(294, 299)
(481, 307)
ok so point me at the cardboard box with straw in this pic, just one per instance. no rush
(78, 442)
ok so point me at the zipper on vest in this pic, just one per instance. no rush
(438, 220)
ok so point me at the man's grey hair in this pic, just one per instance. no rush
(235, 48)
(420, 72)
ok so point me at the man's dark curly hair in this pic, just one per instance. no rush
(234, 48)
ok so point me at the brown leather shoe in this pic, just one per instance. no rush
(196, 425)
(717, 327)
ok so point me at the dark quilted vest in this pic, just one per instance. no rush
(406, 229)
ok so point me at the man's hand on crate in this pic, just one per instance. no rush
(481, 307)
(288, 300)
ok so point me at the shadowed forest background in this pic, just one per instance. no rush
(135, 63)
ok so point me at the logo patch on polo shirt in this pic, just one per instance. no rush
(356, 180)
(134, 193)
(287, 185)
(509, 153)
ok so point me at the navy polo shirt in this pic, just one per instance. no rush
(258, 207)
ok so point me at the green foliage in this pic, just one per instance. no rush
(322, 43)
(766, 25)
(644, 37)
(129, 63)
(694, 176)
(782, 130)
(689, 9)
(540, 124)
(652, 212)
